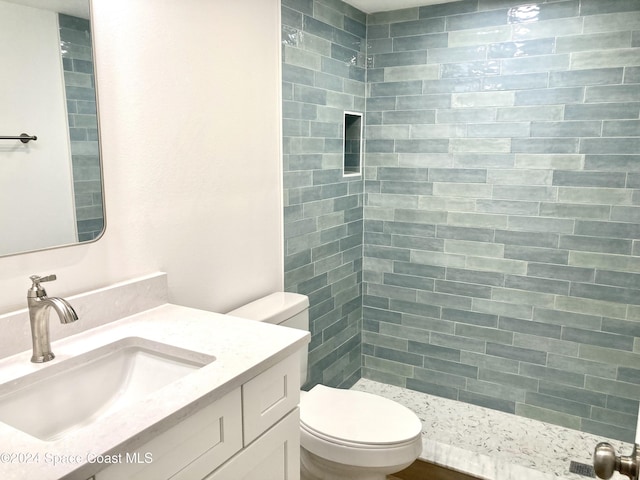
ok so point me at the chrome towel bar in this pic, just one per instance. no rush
(23, 137)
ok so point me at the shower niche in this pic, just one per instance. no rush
(353, 142)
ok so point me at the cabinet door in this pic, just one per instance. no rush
(273, 456)
(191, 449)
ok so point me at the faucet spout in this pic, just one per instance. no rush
(39, 307)
(65, 311)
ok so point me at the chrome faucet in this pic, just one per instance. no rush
(39, 305)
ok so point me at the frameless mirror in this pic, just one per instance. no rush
(51, 191)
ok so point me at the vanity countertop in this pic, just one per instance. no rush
(493, 445)
(242, 349)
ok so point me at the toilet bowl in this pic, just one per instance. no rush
(344, 434)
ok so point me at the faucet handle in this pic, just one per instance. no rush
(36, 289)
(37, 279)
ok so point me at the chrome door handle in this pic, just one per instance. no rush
(605, 462)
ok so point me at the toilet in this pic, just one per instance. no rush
(344, 434)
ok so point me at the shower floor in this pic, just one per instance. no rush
(490, 444)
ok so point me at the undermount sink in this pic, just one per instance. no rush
(76, 392)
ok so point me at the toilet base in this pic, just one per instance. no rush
(313, 467)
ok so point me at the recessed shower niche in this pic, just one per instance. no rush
(352, 155)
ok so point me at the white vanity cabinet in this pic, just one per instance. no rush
(250, 433)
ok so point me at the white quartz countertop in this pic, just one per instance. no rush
(242, 349)
(493, 445)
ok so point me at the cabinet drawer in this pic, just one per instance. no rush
(270, 396)
(202, 442)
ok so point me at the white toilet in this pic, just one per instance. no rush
(344, 434)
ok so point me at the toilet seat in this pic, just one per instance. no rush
(358, 428)
(357, 418)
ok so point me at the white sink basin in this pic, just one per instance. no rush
(72, 393)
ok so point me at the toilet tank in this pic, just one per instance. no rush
(281, 308)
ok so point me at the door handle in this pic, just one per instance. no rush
(605, 462)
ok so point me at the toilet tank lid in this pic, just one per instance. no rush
(274, 308)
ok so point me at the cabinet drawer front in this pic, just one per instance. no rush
(202, 441)
(270, 396)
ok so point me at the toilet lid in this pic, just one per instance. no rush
(357, 417)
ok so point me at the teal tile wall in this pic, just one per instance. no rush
(77, 59)
(323, 75)
(502, 207)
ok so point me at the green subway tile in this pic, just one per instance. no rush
(507, 130)
(547, 415)
(530, 113)
(545, 344)
(561, 384)
(621, 128)
(463, 289)
(566, 363)
(443, 299)
(612, 22)
(487, 401)
(576, 274)
(516, 353)
(608, 431)
(536, 254)
(458, 343)
(574, 210)
(489, 363)
(418, 102)
(529, 327)
(527, 194)
(475, 276)
(483, 333)
(395, 59)
(557, 404)
(523, 48)
(434, 351)
(507, 207)
(566, 129)
(610, 356)
(521, 298)
(630, 375)
(594, 7)
(618, 57)
(590, 337)
(548, 145)
(411, 72)
(478, 68)
(613, 387)
(503, 307)
(479, 36)
(450, 85)
(432, 388)
(598, 196)
(419, 42)
(606, 293)
(622, 327)
(599, 76)
(500, 265)
(393, 16)
(388, 366)
(628, 280)
(604, 111)
(612, 93)
(502, 377)
(598, 41)
(542, 63)
(477, 19)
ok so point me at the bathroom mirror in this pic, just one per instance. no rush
(51, 191)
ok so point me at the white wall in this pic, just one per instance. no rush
(190, 121)
(32, 72)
